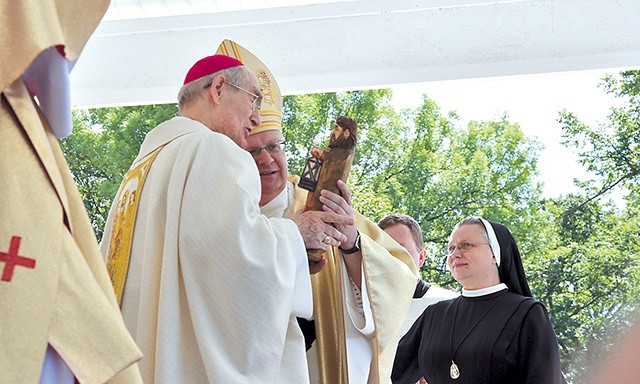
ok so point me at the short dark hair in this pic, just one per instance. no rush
(406, 220)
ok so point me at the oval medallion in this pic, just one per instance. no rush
(454, 371)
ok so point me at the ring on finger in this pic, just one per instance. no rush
(327, 239)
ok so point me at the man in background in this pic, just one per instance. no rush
(407, 232)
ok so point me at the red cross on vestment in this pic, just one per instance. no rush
(11, 259)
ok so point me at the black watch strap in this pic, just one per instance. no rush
(354, 249)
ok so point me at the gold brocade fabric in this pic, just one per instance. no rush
(123, 223)
(329, 318)
(64, 297)
(328, 313)
(390, 275)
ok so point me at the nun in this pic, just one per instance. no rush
(495, 332)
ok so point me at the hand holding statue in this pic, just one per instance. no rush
(318, 232)
(341, 205)
(322, 172)
(334, 203)
(317, 229)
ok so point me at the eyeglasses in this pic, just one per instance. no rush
(257, 99)
(272, 148)
(462, 247)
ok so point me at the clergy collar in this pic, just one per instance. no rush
(483, 291)
(279, 204)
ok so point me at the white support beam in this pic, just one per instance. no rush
(361, 44)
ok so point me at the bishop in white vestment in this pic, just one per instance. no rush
(213, 287)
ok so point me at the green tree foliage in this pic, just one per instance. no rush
(101, 148)
(612, 149)
(596, 271)
(587, 275)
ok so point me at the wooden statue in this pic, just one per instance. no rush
(327, 166)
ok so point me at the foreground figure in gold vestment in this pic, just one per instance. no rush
(59, 321)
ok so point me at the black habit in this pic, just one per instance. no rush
(501, 337)
(513, 343)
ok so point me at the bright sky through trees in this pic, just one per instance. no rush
(533, 101)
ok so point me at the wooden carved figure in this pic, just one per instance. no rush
(329, 165)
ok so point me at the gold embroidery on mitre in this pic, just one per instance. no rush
(271, 110)
(266, 86)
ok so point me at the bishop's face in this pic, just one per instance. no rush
(272, 166)
(238, 114)
(470, 257)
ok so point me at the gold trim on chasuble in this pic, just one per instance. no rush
(328, 309)
(329, 316)
(124, 219)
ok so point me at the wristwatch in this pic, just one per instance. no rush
(354, 249)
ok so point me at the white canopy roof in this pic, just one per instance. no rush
(141, 51)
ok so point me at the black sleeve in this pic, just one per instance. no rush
(405, 365)
(539, 353)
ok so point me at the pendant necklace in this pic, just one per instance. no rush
(454, 371)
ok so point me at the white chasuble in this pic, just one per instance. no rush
(213, 286)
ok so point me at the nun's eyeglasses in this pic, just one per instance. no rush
(462, 247)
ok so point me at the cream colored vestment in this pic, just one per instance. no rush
(64, 298)
(54, 291)
(214, 286)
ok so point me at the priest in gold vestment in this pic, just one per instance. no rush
(59, 321)
(363, 292)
